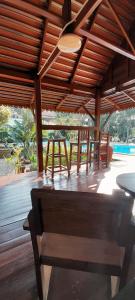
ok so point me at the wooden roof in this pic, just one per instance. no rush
(106, 61)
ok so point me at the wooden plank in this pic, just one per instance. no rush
(129, 96)
(38, 116)
(106, 44)
(61, 102)
(66, 85)
(112, 102)
(8, 73)
(74, 252)
(86, 103)
(43, 38)
(113, 10)
(36, 10)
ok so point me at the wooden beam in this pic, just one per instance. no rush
(114, 89)
(83, 104)
(107, 119)
(51, 59)
(35, 10)
(38, 116)
(86, 11)
(81, 51)
(112, 102)
(70, 86)
(66, 11)
(66, 127)
(129, 96)
(88, 113)
(43, 38)
(11, 74)
(105, 43)
(61, 102)
(117, 19)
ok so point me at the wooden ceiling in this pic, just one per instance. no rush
(29, 33)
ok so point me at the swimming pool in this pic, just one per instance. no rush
(124, 148)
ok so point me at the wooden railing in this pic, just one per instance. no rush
(66, 127)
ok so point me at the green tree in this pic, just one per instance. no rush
(24, 133)
(5, 114)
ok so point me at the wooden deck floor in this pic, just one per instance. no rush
(16, 259)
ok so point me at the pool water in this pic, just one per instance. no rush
(124, 149)
(128, 149)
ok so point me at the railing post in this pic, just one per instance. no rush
(97, 115)
(38, 117)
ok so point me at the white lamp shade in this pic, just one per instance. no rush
(69, 43)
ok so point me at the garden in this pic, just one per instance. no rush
(18, 134)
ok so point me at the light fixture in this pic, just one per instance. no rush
(69, 43)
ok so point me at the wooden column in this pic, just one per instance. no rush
(38, 117)
(97, 114)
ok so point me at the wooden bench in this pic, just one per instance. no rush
(81, 231)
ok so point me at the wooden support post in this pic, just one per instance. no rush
(97, 115)
(39, 124)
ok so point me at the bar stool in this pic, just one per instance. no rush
(94, 153)
(59, 155)
(83, 141)
(104, 140)
(99, 150)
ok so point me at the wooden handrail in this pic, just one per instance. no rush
(66, 127)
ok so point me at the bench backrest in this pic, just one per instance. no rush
(83, 214)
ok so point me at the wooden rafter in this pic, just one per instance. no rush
(83, 104)
(33, 99)
(10, 76)
(113, 10)
(88, 113)
(107, 119)
(66, 11)
(70, 86)
(112, 102)
(81, 51)
(105, 43)
(61, 102)
(43, 38)
(35, 10)
(129, 96)
(85, 12)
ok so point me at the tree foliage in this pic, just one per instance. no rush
(24, 132)
(121, 125)
(5, 114)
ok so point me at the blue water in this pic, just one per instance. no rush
(123, 149)
(117, 148)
